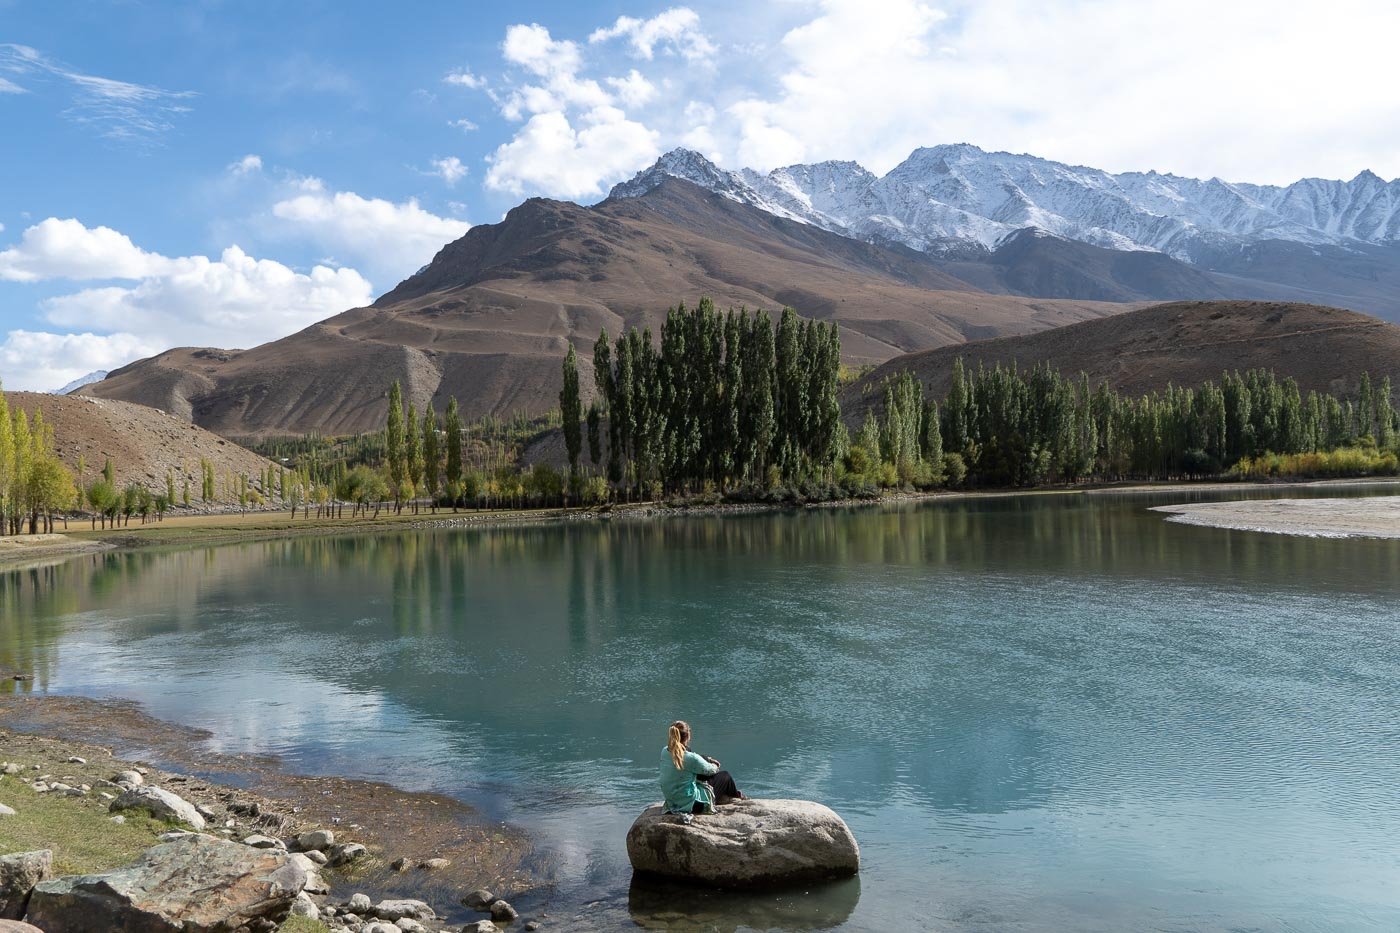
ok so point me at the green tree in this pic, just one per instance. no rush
(571, 411)
(452, 481)
(394, 453)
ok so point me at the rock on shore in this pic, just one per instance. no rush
(161, 804)
(197, 884)
(747, 844)
(19, 873)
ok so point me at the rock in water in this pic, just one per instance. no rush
(196, 885)
(749, 844)
(19, 873)
(161, 804)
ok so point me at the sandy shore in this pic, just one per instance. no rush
(1370, 517)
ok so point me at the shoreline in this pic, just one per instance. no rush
(1377, 518)
(24, 551)
(111, 736)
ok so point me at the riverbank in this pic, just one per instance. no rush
(77, 741)
(226, 527)
(1372, 517)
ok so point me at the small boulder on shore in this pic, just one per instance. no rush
(161, 804)
(748, 844)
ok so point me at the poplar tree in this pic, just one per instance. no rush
(569, 406)
(452, 480)
(432, 455)
(394, 440)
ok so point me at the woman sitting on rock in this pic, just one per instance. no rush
(692, 783)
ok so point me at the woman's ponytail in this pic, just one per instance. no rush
(676, 737)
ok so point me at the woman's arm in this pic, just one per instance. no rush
(698, 765)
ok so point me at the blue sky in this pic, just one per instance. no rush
(221, 173)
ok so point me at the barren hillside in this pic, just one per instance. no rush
(144, 444)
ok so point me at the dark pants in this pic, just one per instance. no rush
(721, 784)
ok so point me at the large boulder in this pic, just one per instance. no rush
(198, 884)
(747, 844)
(161, 804)
(19, 873)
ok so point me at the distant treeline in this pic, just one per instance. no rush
(735, 405)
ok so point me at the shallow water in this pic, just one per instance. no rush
(1036, 713)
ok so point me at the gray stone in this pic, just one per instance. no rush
(345, 853)
(359, 904)
(481, 926)
(258, 841)
(501, 910)
(12, 768)
(532, 926)
(19, 873)
(480, 899)
(409, 925)
(75, 760)
(161, 804)
(129, 777)
(434, 864)
(749, 844)
(403, 907)
(317, 856)
(304, 906)
(17, 926)
(399, 864)
(195, 885)
(314, 883)
(208, 814)
(317, 840)
(7, 811)
(119, 819)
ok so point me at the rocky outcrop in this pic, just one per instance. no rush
(197, 884)
(749, 844)
(19, 873)
(161, 804)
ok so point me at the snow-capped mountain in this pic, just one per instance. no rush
(946, 194)
(81, 381)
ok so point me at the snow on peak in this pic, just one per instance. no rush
(960, 192)
(81, 381)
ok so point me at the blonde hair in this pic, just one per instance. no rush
(676, 738)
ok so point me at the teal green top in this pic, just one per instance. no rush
(678, 785)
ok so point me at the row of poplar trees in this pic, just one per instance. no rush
(725, 400)
(1026, 428)
(423, 457)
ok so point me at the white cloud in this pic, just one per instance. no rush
(555, 61)
(550, 155)
(466, 126)
(464, 78)
(634, 90)
(235, 300)
(247, 165)
(677, 29)
(35, 361)
(9, 87)
(65, 249)
(1120, 86)
(118, 110)
(390, 239)
(450, 170)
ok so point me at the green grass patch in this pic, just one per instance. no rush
(303, 925)
(79, 830)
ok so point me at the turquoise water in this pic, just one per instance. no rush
(1036, 713)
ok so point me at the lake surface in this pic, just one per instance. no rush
(1036, 713)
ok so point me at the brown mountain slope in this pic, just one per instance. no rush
(488, 321)
(143, 443)
(1182, 343)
